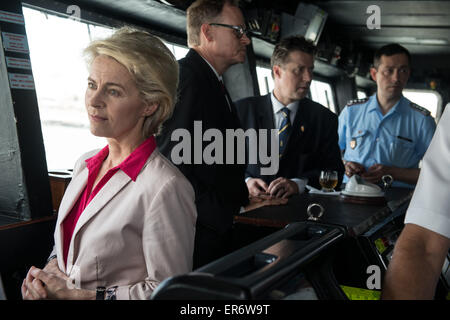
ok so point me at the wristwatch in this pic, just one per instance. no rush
(100, 293)
(51, 258)
(110, 293)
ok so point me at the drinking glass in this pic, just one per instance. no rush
(328, 180)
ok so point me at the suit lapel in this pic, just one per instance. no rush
(211, 78)
(264, 110)
(266, 120)
(265, 113)
(117, 182)
(74, 189)
(298, 128)
(206, 71)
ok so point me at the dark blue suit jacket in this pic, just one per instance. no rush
(312, 145)
(220, 189)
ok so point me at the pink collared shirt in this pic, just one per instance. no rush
(132, 165)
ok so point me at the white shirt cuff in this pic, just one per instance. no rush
(301, 183)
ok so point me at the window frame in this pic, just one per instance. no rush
(440, 107)
(360, 89)
(88, 15)
(261, 64)
(107, 23)
(329, 81)
(333, 91)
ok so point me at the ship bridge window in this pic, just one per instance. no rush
(361, 94)
(178, 51)
(56, 44)
(429, 99)
(265, 80)
(60, 73)
(321, 92)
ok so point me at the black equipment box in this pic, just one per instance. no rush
(289, 264)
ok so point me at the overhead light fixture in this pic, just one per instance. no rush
(180, 4)
(166, 2)
(433, 41)
(408, 40)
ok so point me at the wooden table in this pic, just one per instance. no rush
(356, 218)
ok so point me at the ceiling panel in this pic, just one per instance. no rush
(421, 26)
(149, 11)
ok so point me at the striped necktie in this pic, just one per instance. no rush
(285, 129)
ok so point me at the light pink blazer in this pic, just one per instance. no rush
(132, 234)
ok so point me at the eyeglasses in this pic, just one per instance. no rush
(238, 30)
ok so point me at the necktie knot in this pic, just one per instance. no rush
(285, 112)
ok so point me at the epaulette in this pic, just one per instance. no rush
(356, 101)
(422, 110)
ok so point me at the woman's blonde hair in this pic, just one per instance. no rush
(152, 65)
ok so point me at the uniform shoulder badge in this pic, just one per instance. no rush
(422, 110)
(356, 101)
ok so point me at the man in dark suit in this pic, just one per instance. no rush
(307, 131)
(217, 38)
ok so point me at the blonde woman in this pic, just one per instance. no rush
(127, 219)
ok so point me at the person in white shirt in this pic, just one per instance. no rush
(425, 241)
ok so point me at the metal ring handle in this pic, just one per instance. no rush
(387, 180)
(310, 214)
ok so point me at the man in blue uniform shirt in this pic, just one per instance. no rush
(386, 133)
